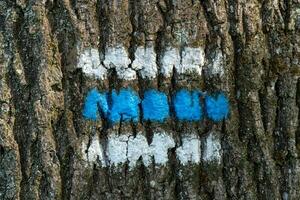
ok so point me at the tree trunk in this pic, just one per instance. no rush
(49, 49)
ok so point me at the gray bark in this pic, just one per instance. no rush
(42, 93)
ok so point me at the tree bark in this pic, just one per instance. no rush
(42, 91)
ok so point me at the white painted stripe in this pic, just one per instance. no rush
(145, 62)
(138, 147)
(190, 151)
(212, 149)
(169, 59)
(190, 60)
(90, 63)
(216, 65)
(94, 151)
(161, 142)
(127, 148)
(117, 149)
(117, 57)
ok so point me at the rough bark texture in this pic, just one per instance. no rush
(42, 93)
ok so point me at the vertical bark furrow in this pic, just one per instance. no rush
(10, 172)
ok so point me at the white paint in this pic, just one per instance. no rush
(123, 148)
(152, 183)
(117, 149)
(190, 151)
(159, 147)
(145, 62)
(117, 57)
(192, 60)
(212, 149)
(84, 151)
(217, 65)
(127, 147)
(126, 74)
(285, 196)
(137, 147)
(161, 142)
(94, 152)
(169, 60)
(90, 63)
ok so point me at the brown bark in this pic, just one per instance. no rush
(42, 92)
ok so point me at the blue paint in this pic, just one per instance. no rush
(187, 105)
(155, 106)
(217, 108)
(125, 104)
(94, 103)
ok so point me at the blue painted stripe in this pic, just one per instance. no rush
(217, 107)
(187, 105)
(125, 105)
(155, 106)
(94, 103)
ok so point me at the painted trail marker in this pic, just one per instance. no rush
(191, 60)
(155, 106)
(129, 149)
(125, 105)
(187, 105)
